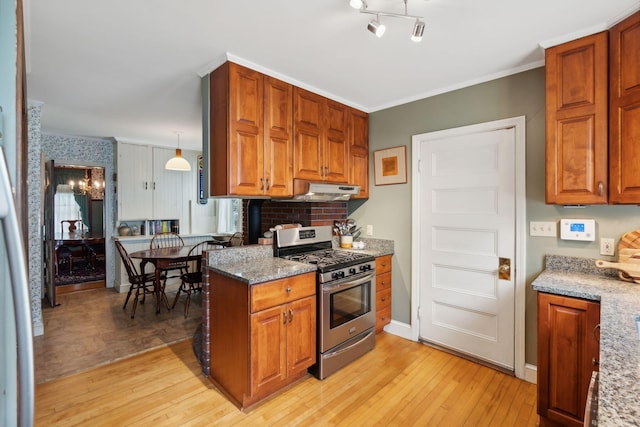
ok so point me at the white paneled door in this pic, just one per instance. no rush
(467, 235)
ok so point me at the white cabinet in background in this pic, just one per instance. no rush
(145, 190)
(135, 182)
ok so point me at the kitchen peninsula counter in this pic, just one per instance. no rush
(619, 379)
(254, 264)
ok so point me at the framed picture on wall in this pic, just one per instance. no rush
(390, 165)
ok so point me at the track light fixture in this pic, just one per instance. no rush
(377, 28)
(418, 29)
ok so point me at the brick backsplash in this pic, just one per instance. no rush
(274, 213)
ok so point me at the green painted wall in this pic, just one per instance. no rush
(389, 207)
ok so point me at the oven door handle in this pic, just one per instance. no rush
(348, 284)
(349, 347)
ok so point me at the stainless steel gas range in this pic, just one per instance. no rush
(346, 295)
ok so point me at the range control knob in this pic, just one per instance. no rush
(365, 267)
(352, 270)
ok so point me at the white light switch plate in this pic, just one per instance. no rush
(543, 228)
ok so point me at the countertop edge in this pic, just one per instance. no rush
(618, 402)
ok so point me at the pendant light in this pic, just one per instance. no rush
(178, 163)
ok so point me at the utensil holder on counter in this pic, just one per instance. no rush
(346, 242)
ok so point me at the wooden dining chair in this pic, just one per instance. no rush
(169, 240)
(141, 283)
(191, 280)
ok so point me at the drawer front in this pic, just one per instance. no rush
(383, 317)
(383, 264)
(383, 282)
(383, 299)
(282, 291)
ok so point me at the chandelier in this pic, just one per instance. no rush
(85, 186)
(378, 28)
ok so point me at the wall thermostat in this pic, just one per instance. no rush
(578, 229)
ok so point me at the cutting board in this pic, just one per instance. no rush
(632, 270)
(628, 247)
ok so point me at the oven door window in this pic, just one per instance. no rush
(349, 304)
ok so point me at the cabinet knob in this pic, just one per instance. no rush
(383, 299)
(268, 184)
(290, 315)
(595, 361)
(284, 317)
(262, 183)
(288, 290)
(595, 332)
(600, 188)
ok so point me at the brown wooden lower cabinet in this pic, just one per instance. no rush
(263, 336)
(568, 352)
(383, 292)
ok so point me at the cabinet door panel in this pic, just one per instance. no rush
(336, 159)
(268, 350)
(246, 96)
(308, 155)
(247, 169)
(624, 144)
(567, 346)
(278, 148)
(359, 151)
(301, 335)
(309, 135)
(336, 154)
(246, 141)
(576, 121)
(135, 182)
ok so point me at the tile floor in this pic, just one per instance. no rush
(90, 328)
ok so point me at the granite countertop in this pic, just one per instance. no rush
(619, 384)
(374, 247)
(254, 264)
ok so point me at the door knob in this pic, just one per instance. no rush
(504, 269)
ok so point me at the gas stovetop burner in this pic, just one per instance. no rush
(328, 258)
(312, 245)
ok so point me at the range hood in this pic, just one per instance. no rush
(307, 191)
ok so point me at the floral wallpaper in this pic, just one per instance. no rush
(63, 150)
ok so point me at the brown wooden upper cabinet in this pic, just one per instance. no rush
(251, 133)
(593, 118)
(320, 146)
(359, 151)
(265, 132)
(624, 132)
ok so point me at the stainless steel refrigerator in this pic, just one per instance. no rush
(16, 331)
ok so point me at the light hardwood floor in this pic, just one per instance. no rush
(399, 383)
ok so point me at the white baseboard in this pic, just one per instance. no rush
(403, 330)
(38, 328)
(530, 373)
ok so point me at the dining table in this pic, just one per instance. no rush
(162, 258)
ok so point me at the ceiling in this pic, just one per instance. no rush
(131, 69)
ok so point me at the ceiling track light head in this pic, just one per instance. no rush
(418, 30)
(376, 27)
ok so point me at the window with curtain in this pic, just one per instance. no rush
(228, 215)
